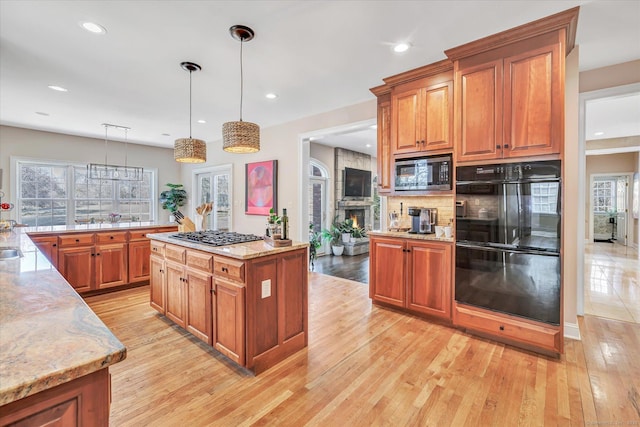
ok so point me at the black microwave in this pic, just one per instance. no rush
(423, 174)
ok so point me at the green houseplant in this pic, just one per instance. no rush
(315, 241)
(333, 235)
(173, 198)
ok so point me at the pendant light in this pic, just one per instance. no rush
(241, 137)
(190, 150)
(115, 172)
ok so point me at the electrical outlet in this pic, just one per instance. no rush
(266, 288)
(477, 201)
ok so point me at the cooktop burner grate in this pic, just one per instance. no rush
(216, 238)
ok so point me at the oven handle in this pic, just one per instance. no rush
(497, 247)
(506, 181)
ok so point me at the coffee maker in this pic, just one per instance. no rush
(423, 220)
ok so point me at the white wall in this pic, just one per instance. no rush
(41, 145)
(281, 143)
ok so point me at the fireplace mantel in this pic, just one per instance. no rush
(354, 203)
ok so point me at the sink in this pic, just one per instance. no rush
(10, 253)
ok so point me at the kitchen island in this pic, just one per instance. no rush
(247, 300)
(54, 351)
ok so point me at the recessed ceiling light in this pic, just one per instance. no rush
(401, 47)
(373, 126)
(58, 88)
(368, 145)
(166, 134)
(202, 121)
(599, 133)
(271, 96)
(41, 113)
(94, 28)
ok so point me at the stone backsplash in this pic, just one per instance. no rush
(444, 204)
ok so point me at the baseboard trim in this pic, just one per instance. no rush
(571, 330)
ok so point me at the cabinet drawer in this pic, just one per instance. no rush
(514, 330)
(229, 268)
(157, 248)
(200, 260)
(139, 234)
(76, 240)
(111, 237)
(175, 253)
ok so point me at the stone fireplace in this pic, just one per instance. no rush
(357, 215)
(346, 207)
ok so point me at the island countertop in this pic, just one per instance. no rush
(48, 334)
(241, 251)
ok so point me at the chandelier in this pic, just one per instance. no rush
(114, 172)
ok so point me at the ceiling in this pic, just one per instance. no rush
(316, 55)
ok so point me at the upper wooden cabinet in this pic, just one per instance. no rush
(384, 139)
(509, 98)
(421, 117)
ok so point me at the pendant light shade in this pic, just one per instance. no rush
(241, 137)
(190, 150)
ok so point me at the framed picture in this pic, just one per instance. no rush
(261, 187)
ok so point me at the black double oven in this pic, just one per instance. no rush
(508, 242)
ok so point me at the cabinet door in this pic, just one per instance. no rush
(387, 271)
(49, 247)
(76, 265)
(175, 302)
(228, 320)
(139, 261)
(405, 122)
(437, 115)
(533, 103)
(478, 127)
(430, 278)
(157, 280)
(199, 320)
(111, 265)
(384, 147)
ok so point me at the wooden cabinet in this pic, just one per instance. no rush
(110, 265)
(229, 320)
(512, 330)
(199, 287)
(84, 401)
(509, 99)
(77, 266)
(48, 245)
(139, 251)
(422, 117)
(175, 299)
(384, 159)
(411, 274)
(158, 283)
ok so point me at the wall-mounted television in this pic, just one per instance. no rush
(357, 183)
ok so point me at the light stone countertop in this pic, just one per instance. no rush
(78, 228)
(407, 235)
(240, 251)
(48, 334)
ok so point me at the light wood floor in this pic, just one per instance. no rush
(365, 366)
(612, 281)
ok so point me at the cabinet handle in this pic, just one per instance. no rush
(417, 143)
(93, 254)
(422, 142)
(54, 245)
(213, 291)
(77, 240)
(161, 271)
(97, 254)
(501, 327)
(225, 270)
(111, 237)
(506, 145)
(498, 147)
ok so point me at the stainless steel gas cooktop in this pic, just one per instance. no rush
(216, 238)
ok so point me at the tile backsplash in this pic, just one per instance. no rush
(444, 204)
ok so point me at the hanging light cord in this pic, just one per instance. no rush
(241, 78)
(190, 71)
(106, 127)
(126, 148)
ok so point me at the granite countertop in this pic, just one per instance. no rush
(241, 251)
(407, 235)
(93, 227)
(48, 334)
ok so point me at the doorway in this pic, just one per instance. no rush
(609, 219)
(213, 184)
(318, 206)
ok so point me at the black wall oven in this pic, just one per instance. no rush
(508, 244)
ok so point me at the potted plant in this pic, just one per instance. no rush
(173, 198)
(334, 236)
(315, 241)
(273, 223)
(346, 228)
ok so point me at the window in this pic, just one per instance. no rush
(603, 196)
(60, 194)
(544, 197)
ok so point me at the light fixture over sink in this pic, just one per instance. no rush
(190, 150)
(241, 137)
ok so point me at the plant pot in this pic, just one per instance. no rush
(346, 237)
(337, 250)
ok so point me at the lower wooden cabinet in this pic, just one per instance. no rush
(228, 320)
(198, 287)
(110, 265)
(158, 283)
(48, 245)
(411, 274)
(139, 254)
(84, 401)
(77, 266)
(175, 299)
